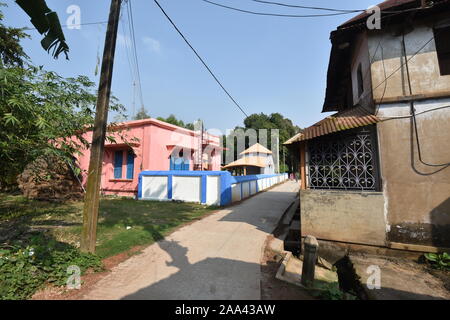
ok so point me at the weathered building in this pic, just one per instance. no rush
(377, 172)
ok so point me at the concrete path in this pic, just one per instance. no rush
(217, 257)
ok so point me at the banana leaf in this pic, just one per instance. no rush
(47, 23)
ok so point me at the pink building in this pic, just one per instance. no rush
(153, 145)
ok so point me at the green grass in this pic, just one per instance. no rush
(39, 240)
(150, 221)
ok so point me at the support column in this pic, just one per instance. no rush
(302, 165)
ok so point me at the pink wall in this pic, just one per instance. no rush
(157, 141)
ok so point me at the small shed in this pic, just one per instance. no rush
(255, 160)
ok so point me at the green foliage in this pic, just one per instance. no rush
(123, 224)
(438, 261)
(286, 130)
(39, 112)
(172, 119)
(11, 52)
(330, 291)
(23, 270)
(141, 115)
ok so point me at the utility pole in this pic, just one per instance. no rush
(91, 199)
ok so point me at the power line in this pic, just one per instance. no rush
(276, 14)
(74, 25)
(337, 12)
(200, 58)
(307, 7)
(329, 9)
(133, 38)
(131, 64)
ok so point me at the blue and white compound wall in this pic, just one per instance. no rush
(207, 187)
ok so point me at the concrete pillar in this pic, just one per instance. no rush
(310, 250)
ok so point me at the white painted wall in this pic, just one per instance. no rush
(154, 188)
(186, 188)
(252, 187)
(245, 189)
(213, 190)
(235, 192)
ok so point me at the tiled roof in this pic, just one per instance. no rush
(248, 161)
(386, 5)
(344, 120)
(257, 148)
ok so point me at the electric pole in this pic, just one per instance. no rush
(91, 199)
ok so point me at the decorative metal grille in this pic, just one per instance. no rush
(344, 161)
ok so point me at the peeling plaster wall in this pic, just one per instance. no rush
(417, 195)
(385, 49)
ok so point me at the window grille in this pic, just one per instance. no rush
(344, 161)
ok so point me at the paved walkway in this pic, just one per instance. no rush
(217, 257)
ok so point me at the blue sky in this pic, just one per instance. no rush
(269, 64)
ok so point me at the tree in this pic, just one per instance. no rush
(11, 52)
(39, 110)
(141, 115)
(172, 119)
(273, 121)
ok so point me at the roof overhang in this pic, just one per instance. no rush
(341, 121)
(247, 162)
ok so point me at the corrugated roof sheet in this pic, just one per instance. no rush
(344, 120)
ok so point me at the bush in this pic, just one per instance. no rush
(330, 291)
(438, 261)
(24, 270)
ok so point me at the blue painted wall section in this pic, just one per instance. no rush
(226, 180)
(204, 188)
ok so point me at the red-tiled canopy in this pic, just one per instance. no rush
(344, 120)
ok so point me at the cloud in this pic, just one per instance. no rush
(151, 44)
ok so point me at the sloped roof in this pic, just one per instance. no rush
(294, 138)
(344, 120)
(384, 6)
(247, 161)
(345, 36)
(257, 148)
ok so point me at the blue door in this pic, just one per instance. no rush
(179, 164)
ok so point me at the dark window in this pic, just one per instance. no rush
(118, 160)
(345, 160)
(360, 81)
(130, 164)
(442, 40)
